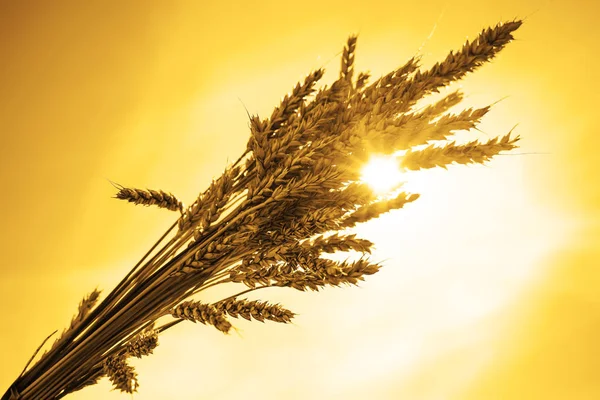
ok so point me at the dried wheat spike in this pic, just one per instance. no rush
(472, 152)
(207, 314)
(335, 274)
(314, 274)
(122, 375)
(456, 65)
(290, 103)
(143, 344)
(84, 309)
(370, 211)
(347, 69)
(258, 310)
(335, 242)
(157, 198)
(207, 207)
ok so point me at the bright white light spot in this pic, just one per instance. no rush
(382, 173)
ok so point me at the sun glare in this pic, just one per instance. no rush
(382, 173)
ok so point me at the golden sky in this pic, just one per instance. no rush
(491, 284)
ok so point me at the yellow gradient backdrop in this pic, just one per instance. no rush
(491, 282)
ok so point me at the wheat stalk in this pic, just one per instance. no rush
(270, 218)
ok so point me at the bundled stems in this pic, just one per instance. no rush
(268, 221)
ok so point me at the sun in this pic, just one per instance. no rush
(382, 173)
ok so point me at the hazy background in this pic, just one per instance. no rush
(491, 284)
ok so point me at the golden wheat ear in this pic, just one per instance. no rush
(121, 374)
(347, 69)
(206, 314)
(149, 197)
(258, 310)
(474, 152)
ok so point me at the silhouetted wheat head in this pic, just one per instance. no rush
(270, 217)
